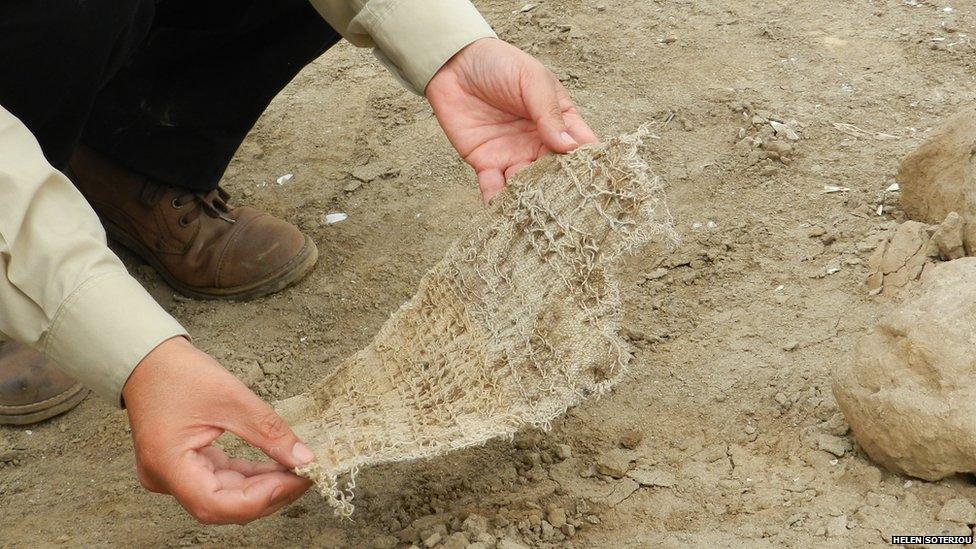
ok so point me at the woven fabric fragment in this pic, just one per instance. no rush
(517, 322)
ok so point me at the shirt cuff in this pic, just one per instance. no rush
(104, 329)
(415, 38)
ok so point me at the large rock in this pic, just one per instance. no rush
(909, 393)
(938, 177)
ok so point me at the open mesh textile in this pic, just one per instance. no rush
(515, 324)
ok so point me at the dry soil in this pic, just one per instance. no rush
(734, 436)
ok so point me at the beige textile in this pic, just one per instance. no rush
(516, 323)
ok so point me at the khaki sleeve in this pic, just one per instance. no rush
(62, 290)
(413, 38)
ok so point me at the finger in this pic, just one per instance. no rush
(259, 425)
(512, 170)
(491, 182)
(575, 125)
(579, 129)
(539, 93)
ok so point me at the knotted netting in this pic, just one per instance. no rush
(517, 322)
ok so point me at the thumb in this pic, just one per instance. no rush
(260, 426)
(542, 103)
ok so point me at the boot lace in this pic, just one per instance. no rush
(213, 204)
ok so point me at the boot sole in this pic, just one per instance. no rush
(291, 273)
(39, 411)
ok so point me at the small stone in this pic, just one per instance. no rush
(352, 185)
(834, 444)
(958, 510)
(456, 540)
(475, 525)
(433, 539)
(563, 451)
(656, 274)
(547, 530)
(385, 542)
(615, 463)
(272, 368)
(568, 530)
(837, 526)
(631, 438)
(556, 516)
(251, 373)
(781, 148)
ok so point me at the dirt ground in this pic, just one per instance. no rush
(736, 439)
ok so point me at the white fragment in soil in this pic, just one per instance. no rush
(696, 225)
(712, 225)
(880, 209)
(335, 218)
(893, 188)
(832, 269)
(784, 130)
(828, 189)
(285, 178)
(526, 8)
(780, 288)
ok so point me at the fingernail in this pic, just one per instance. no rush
(302, 453)
(568, 139)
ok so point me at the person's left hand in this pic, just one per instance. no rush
(502, 109)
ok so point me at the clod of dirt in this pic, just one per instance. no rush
(834, 444)
(938, 177)
(904, 255)
(615, 463)
(958, 510)
(949, 237)
(908, 393)
(631, 438)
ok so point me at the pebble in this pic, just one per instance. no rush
(834, 444)
(433, 539)
(556, 516)
(631, 438)
(475, 525)
(563, 451)
(615, 463)
(656, 274)
(958, 510)
(251, 373)
(456, 540)
(385, 542)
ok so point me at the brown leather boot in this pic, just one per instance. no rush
(31, 389)
(200, 244)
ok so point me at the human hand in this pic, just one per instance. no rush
(179, 401)
(502, 109)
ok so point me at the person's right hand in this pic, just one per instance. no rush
(179, 401)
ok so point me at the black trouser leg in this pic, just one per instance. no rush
(181, 108)
(55, 57)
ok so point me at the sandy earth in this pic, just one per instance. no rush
(736, 438)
